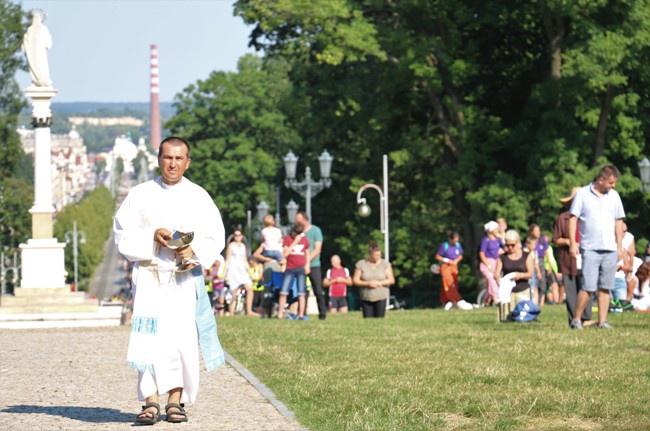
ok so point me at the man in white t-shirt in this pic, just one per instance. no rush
(598, 212)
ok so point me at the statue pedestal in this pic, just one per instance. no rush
(42, 287)
(42, 264)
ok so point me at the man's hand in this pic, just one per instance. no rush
(161, 235)
(307, 270)
(185, 253)
(574, 249)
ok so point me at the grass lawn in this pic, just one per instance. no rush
(460, 370)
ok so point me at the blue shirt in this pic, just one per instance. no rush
(597, 217)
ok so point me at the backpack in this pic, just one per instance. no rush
(446, 244)
(525, 311)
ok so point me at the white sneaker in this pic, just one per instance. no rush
(448, 306)
(463, 305)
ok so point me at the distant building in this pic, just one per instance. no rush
(106, 121)
(72, 168)
(125, 149)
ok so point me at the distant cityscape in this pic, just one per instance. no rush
(76, 169)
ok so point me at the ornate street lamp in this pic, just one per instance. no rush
(292, 210)
(75, 237)
(365, 210)
(644, 169)
(308, 188)
(262, 211)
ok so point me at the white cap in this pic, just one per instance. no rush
(490, 226)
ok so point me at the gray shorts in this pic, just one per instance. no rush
(598, 269)
(338, 302)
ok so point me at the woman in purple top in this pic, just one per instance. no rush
(491, 248)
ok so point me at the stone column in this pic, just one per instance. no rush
(42, 258)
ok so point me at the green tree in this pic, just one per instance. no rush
(12, 29)
(237, 132)
(16, 197)
(16, 193)
(485, 109)
(94, 216)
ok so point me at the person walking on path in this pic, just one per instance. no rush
(491, 247)
(171, 313)
(374, 276)
(597, 211)
(450, 254)
(315, 238)
(337, 279)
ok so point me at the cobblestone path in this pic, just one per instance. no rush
(78, 379)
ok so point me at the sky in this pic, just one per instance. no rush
(100, 48)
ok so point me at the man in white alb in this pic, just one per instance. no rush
(171, 311)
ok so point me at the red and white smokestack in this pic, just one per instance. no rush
(154, 109)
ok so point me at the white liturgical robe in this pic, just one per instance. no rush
(164, 340)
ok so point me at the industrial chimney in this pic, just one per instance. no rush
(154, 109)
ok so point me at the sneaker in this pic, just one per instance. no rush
(305, 318)
(463, 305)
(605, 325)
(291, 316)
(576, 324)
(448, 306)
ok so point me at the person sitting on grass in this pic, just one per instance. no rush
(518, 266)
(641, 296)
(337, 279)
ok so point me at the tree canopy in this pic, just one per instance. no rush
(485, 109)
(16, 169)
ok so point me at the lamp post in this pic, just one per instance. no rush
(644, 170)
(308, 188)
(5, 266)
(262, 210)
(75, 237)
(364, 208)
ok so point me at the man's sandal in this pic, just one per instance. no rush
(141, 418)
(179, 415)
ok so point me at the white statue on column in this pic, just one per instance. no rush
(36, 42)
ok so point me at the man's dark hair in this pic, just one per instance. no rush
(303, 215)
(608, 171)
(174, 139)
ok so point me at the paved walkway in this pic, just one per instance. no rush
(109, 275)
(78, 379)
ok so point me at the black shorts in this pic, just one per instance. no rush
(258, 296)
(338, 302)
